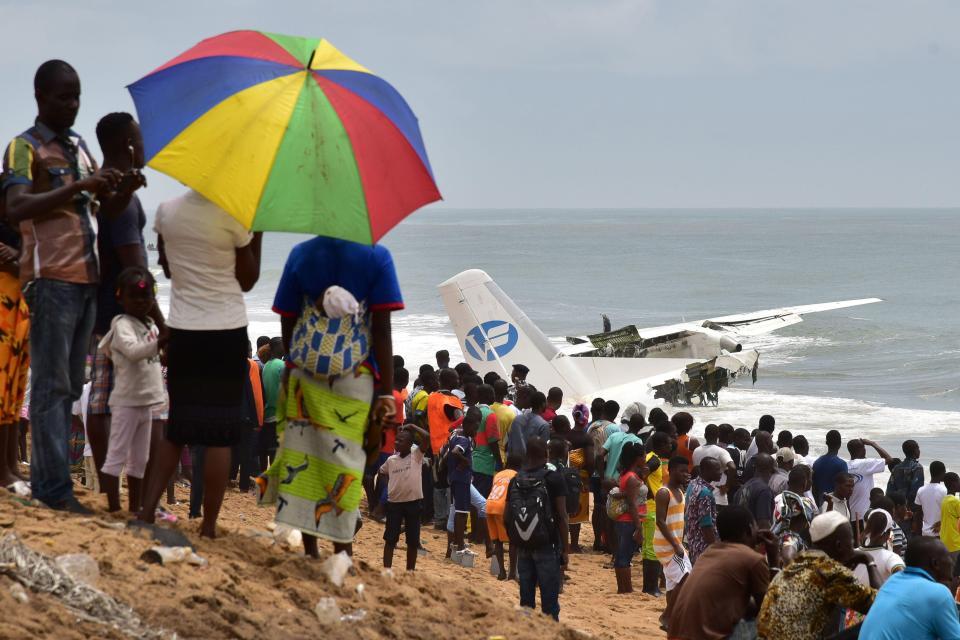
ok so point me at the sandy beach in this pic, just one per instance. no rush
(254, 588)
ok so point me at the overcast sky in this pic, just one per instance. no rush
(597, 103)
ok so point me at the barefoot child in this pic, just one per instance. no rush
(134, 347)
(496, 503)
(403, 471)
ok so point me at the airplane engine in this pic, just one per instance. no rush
(720, 340)
(729, 344)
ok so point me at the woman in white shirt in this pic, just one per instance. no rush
(211, 260)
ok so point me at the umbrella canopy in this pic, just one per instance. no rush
(286, 134)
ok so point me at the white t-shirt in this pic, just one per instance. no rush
(840, 505)
(863, 471)
(887, 564)
(200, 240)
(929, 498)
(721, 454)
(405, 474)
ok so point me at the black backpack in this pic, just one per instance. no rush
(529, 514)
(571, 478)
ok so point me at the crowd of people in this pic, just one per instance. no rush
(746, 532)
(743, 533)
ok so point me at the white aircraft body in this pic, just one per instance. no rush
(682, 362)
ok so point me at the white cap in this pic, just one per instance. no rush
(786, 454)
(825, 524)
(886, 514)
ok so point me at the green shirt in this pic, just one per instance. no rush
(487, 434)
(271, 374)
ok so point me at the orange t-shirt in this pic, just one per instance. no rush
(390, 430)
(257, 389)
(683, 449)
(437, 419)
(497, 500)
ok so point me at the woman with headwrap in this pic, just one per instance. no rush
(582, 459)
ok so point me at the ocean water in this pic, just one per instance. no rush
(886, 371)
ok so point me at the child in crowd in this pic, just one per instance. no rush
(557, 453)
(459, 475)
(496, 504)
(133, 344)
(403, 471)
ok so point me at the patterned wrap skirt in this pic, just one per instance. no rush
(14, 348)
(316, 479)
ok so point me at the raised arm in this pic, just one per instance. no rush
(880, 450)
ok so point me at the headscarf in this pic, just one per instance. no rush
(581, 415)
(793, 505)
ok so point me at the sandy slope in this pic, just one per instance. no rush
(253, 588)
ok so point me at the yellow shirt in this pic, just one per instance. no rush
(950, 523)
(655, 482)
(505, 416)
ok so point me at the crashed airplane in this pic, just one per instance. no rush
(685, 363)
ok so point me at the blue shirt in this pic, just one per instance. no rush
(912, 606)
(614, 447)
(825, 469)
(315, 265)
(456, 472)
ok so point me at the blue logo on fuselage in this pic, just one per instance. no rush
(491, 339)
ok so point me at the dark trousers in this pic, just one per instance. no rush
(242, 460)
(403, 515)
(426, 509)
(540, 567)
(266, 446)
(197, 455)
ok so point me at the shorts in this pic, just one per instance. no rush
(403, 514)
(675, 569)
(626, 546)
(497, 528)
(129, 444)
(461, 496)
(483, 483)
(101, 383)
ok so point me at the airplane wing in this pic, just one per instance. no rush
(759, 322)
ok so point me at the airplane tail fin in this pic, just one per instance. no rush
(494, 334)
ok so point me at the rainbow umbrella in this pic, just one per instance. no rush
(286, 134)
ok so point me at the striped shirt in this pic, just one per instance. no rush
(661, 546)
(62, 243)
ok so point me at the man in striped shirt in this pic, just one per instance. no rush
(668, 536)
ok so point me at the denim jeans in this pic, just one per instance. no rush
(540, 567)
(62, 316)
